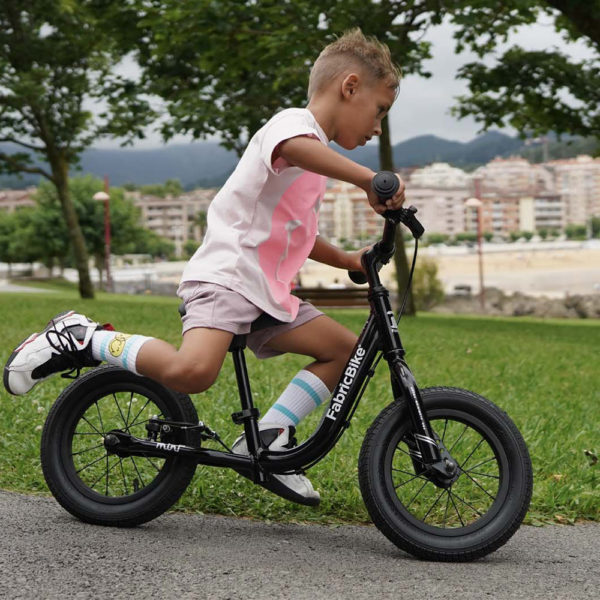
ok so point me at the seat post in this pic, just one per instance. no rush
(249, 414)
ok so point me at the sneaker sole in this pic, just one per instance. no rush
(275, 486)
(59, 317)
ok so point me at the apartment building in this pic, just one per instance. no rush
(178, 219)
(439, 192)
(513, 176)
(578, 183)
(346, 214)
(517, 196)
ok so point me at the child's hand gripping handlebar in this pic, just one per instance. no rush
(385, 184)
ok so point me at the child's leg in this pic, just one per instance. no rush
(191, 369)
(330, 344)
(72, 341)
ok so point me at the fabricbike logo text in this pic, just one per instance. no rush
(342, 390)
(168, 447)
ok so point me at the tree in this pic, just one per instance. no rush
(127, 235)
(169, 187)
(427, 287)
(576, 232)
(535, 91)
(8, 223)
(200, 221)
(56, 58)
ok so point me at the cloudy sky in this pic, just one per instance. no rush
(423, 104)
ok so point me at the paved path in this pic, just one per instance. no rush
(21, 289)
(45, 553)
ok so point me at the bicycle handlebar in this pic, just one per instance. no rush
(385, 184)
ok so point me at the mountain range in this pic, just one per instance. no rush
(206, 164)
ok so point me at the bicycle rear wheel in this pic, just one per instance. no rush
(480, 511)
(103, 488)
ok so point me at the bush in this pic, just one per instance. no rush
(576, 232)
(437, 238)
(427, 288)
(467, 236)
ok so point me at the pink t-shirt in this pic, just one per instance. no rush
(262, 224)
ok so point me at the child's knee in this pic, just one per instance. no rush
(191, 377)
(339, 348)
(346, 345)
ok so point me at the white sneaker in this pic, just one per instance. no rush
(294, 487)
(63, 345)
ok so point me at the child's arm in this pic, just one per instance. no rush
(312, 155)
(331, 255)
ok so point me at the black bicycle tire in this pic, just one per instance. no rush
(445, 545)
(58, 472)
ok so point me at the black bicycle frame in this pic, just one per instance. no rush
(380, 333)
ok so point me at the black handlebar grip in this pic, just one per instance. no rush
(357, 276)
(385, 184)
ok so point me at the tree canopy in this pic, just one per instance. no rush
(42, 234)
(57, 58)
(537, 91)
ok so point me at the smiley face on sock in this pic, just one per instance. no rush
(118, 343)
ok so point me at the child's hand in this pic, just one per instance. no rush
(393, 203)
(353, 258)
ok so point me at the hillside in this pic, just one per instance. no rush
(205, 164)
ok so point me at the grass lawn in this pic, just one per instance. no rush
(545, 374)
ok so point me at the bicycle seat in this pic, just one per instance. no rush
(239, 341)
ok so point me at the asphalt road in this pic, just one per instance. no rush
(45, 553)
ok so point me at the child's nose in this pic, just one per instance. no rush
(377, 129)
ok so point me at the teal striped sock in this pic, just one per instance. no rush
(117, 348)
(303, 394)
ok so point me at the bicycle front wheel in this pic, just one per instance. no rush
(482, 508)
(103, 488)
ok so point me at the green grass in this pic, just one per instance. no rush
(543, 373)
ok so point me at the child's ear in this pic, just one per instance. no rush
(350, 85)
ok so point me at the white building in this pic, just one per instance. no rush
(178, 219)
(346, 214)
(578, 183)
(439, 191)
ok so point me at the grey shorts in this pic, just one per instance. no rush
(216, 307)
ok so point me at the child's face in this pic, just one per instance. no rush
(362, 111)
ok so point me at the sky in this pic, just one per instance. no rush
(423, 106)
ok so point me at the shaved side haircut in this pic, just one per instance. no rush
(350, 52)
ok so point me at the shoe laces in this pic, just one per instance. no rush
(67, 345)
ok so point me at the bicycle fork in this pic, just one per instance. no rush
(429, 455)
(427, 451)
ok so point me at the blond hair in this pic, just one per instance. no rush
(351, 51)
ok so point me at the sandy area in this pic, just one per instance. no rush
(549, 272)
(540, 272)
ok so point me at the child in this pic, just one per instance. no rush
(262, 226)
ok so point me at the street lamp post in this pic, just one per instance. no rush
(477, 204)
(104, 197)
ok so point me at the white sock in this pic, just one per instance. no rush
(117, 348)
(303, 394)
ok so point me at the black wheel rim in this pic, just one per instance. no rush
(473, 500)
(106, 477)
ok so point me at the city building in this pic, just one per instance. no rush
(516, 196)
(10, 200)
(439, 192)
(346, 214)
(577, 181)
(179, 219)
